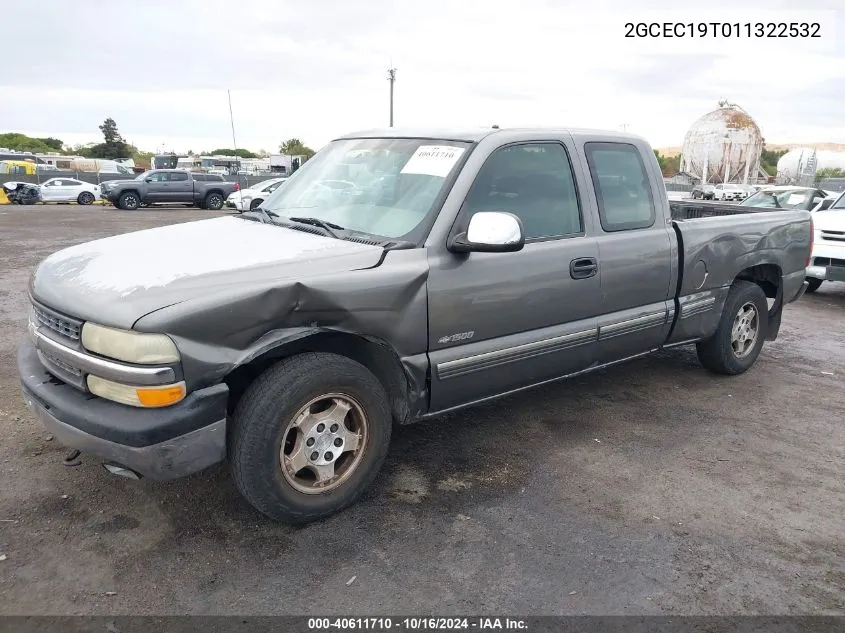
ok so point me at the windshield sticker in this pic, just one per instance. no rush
(796, 198)
(433, 160)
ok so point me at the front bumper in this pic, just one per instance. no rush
(236, 203)
(164, 443)
(828, 261)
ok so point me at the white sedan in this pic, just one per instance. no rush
(247, 199)
(69, 190)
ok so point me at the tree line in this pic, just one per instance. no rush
(114, 146)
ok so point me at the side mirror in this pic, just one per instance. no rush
(490, 232)
(148, 179)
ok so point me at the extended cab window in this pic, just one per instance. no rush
(622, 186)
(533, 181)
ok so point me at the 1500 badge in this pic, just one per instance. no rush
(454, 338)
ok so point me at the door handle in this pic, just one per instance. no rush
(583, 267)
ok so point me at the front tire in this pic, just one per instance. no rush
(129, 201)
(214, 202)
(814, 284)
(309, 436)
(735, 346)
(86, 198)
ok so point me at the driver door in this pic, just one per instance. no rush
(157, 187)
(502, 321)
(48, 190)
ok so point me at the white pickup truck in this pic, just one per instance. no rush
(827, 262)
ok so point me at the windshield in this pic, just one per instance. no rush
(839, 203)
(789, 199)
(385, 187)
(144, 175)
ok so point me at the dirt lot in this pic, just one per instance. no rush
(650, 488)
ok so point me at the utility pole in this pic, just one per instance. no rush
(232, 119)
(234, 142)
(391, 77)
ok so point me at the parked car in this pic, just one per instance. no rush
(703, 191)
(22, 192)
(69, 190)
(455, 269)
(827, 262)
(249, 198)
(729, 191)
(172, 186)
(791, 197)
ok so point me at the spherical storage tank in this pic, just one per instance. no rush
(723, 146)
(799, 165)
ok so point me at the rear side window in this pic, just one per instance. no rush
(178, 175)
(622, 186)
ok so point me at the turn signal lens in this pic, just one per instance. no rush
(161, 396)
(147, 397)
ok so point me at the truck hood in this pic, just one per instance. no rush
(117, 280)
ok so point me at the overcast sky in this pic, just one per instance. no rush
(316, 69)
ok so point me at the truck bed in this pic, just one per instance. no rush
(716, 242)
(692, 209)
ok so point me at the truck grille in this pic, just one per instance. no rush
(828, 261)
(833, 236)
(65, 326)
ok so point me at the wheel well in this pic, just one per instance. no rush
(213, 191)
(379, 359)
(767, 276)
(125, 191)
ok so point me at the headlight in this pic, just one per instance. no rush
(149, 397)
(129, 346)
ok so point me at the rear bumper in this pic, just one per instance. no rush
(164, 443)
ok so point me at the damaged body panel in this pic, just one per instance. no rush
(396, 276)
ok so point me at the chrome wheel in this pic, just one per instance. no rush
(323, 444)
(745, 330)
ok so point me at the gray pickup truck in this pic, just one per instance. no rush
(168, 186)
(449, 269)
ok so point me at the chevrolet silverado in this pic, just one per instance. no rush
(452, 267)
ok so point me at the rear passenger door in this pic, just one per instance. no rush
(635, 249)
(501, 321)
(180, 187)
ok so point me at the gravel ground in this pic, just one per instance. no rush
(650, 488)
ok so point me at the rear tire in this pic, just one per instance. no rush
(272, 428)
(814, 284)
(735, 346)
(214, 202)
(129, 201)
(86, 198)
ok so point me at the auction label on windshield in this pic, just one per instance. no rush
(433, 160)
